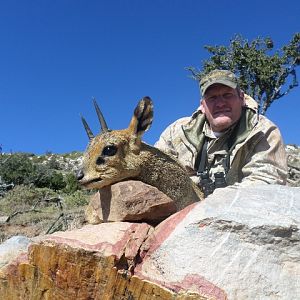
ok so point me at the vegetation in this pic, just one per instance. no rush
(24, 168)
(17, 169)
(264, 74)
(40, 194)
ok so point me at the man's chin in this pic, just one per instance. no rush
(221, 123)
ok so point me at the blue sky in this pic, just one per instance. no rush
(56, 55)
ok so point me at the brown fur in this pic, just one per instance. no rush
(136, 160)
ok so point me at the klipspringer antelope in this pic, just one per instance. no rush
(117, 155)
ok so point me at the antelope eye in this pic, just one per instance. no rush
(109, 150)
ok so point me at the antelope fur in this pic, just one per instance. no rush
(136, 160)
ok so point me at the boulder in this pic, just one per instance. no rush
(236, 244)
(129, 201)
(94, 262)
(244, 241)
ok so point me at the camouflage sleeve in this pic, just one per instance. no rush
(266, 162)
(169, 138)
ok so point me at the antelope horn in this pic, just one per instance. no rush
(87, 128)
(100, 117)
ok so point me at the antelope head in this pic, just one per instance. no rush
(113, 155)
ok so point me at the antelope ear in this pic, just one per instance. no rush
(141, 121)
(142, 117)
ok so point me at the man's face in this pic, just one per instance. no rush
(222, 106)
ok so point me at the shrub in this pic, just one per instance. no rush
(45, 177)
(53, 163)
(71, 182)
(16, 168)
(78, 198)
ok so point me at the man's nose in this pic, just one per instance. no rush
(220, 101)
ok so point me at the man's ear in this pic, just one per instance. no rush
(242, 96)
(202, 108)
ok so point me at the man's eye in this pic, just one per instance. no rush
(228, 95)
(109, 150)
(211, 99)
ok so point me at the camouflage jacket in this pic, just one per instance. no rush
(257, 154)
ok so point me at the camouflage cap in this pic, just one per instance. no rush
(218, 76)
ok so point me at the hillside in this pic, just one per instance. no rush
(40, 194)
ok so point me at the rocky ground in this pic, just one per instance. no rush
(68, 212)
(237, 244)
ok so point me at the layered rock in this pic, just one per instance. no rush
(245, 241)
(95, 262)
(237, 244)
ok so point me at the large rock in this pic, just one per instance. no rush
(79, 264)
(237, 244)
(129, 201)
(246, 242)
(95, 262)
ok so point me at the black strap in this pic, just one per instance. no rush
(203, 159)
(203, 163)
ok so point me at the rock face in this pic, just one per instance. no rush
(236, 244)
(129, 201)
(246, 242)
(95, 262)
(293, 158)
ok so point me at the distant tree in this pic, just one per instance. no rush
(57, 181)
(264, 74)
(43, 176)
(53, 163)
(17, 168)
(71, 183)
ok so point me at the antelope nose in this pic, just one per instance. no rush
(80, 175)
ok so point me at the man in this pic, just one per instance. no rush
(225, 142)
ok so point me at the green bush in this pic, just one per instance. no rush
(56, 181)
(52, 163)
(77, 199)
(16, 168)
(71, 182)
(19, 169)
(45, 177)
